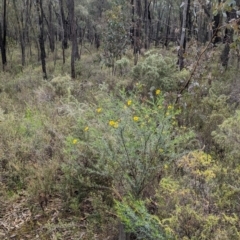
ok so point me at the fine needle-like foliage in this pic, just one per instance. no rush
(131, 140)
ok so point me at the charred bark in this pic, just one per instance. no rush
(41, 38)
(3, 34)
(73, 36)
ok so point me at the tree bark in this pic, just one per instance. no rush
(73, 36)
(51, 29)
(3, 34)
(182, 46)
(22, 23)
(41, 37)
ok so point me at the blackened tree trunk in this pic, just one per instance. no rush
(73, 36)
(168, 25)
(51, 29)
(41, 37)
(136, 28)
(3, 34)
(147, 22)
(64, 24)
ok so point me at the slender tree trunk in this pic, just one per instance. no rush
(168, 26)
(22, 26)
(64, 30)
(41, 37)
(51, 29)
(158, 30)
(183, 35)
(3, 34)
(122, 234)
(73, 36)
(146, 23)
(64, 22)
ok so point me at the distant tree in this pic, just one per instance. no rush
(22, 14)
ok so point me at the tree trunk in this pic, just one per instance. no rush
(3, 34)
(122, 235)
(51, 29)
(183, 35)
(64, 30)
(65, 26)
(22, 26)
(41, 37)
(73, 36)
(168, 26)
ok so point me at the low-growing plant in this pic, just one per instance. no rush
(136, 219)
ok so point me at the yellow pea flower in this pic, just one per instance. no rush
(158, 91)
(99, 110)
(113, 124)
(129, 102)
(135, 118)
(86, 129)
(74, 141)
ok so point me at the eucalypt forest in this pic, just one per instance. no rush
(119, 120)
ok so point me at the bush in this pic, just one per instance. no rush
(125, 143)
(160, 72)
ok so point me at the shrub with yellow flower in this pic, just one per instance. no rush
(135, 118)
(99, 110)
(74, 141)
(113, 123)
(129, 102)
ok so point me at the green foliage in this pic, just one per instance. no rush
(159, 71)
(116, 34)
(122, 66)
(136, 219)
(228, 136)
(130, 141)
(62, 85)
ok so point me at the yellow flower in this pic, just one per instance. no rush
(158, 91)
(170, 107)
(113, 124)
(161, 150)
(86, 129)
(99, 110)
(129, 102)
(74, 141)
(166, 166)
(135, 118)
